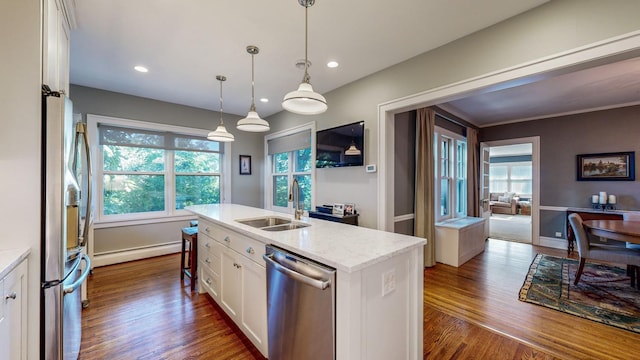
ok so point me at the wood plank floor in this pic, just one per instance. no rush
(141, 310)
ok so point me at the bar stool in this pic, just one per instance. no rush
(189, 266)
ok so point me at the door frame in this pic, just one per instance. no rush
(559, 63)
(535, 178)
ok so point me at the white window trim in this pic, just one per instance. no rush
(453, 156)
(96, 158)
(268, 174)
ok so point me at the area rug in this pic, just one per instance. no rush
(604, 293)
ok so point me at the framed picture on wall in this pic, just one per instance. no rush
(618, 166)
(245, 165)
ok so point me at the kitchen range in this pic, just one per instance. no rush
(346, 292)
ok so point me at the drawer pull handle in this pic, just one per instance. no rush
(250, 250)
(207, 261)
(206, 229)
(238, 266)
(227, 239)
(208, 281)
(207, 245)
(12, 296)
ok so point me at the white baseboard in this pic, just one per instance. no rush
(556, 243)
(135, 254)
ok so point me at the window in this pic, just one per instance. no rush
(290, 156)
(451, 173)
(511, 177)
(144, 173)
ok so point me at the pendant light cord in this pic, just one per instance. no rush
(253, 105)
(306, 77)
(221, 121)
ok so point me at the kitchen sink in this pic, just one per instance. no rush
(273, 223)
(284, 227)
(265, 221)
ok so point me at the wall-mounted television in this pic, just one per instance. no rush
(340, 146)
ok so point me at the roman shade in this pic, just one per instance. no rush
(119, 136)
(298, 141)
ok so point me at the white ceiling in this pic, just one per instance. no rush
(185, 44)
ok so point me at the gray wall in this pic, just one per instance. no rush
(552, 28)
(561, 139)
(245, 189)
(405, 170)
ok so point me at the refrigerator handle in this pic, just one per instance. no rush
(81, 130)
(76, 284)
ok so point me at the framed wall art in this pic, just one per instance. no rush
(245, 165)
(618, 166)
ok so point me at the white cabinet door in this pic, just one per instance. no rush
(55, 52)
(13, 328)
(253, 311)
(230, 278)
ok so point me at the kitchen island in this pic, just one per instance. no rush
(379, 278)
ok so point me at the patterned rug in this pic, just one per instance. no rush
(604, 293)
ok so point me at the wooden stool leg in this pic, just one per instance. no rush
(631, 270)
(193, 261)
(182, 259)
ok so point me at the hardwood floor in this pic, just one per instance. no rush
(141, 310)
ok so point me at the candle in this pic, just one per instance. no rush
(612, 199)
(594, 199)
(603, 197)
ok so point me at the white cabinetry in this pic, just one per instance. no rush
(13, 314)
(233, 272)
(460, 239)
(55, 52)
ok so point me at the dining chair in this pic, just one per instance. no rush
(600, 253)
(635, 270)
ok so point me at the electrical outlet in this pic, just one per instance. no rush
(388, 282)
(558, 234)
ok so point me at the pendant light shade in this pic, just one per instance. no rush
(221, 134)
(252, 122)
(305, 101)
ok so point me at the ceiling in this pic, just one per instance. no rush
(186, 44)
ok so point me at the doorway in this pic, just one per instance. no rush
(510, 192)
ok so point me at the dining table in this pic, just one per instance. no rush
(622, 230)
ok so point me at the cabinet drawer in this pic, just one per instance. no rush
(242, 244)
(210, 257)
(209, 281)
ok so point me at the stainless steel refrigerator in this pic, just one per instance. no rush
(64, 222)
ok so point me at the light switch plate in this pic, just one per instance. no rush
(388, 282)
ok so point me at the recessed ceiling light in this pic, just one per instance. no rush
(141, 69)
(332, 64)
(264, 100)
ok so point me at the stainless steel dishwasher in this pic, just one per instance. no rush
(301, 309)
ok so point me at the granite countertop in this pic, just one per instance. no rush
(344, 247)
(10, 258)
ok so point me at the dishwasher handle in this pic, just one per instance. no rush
(296, 275)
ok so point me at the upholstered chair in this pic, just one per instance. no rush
(601, 253)
(631, 270)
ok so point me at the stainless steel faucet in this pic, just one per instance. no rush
(298, 211)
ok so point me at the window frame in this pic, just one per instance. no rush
(509, 166)
(453, 176)
(169, 213)
(270, 165)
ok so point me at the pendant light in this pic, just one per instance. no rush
(221, 133)
(305, 101)
(252, 122)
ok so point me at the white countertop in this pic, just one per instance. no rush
(10, 258)
(345, 247)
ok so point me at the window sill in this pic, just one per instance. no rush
(155, 220)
